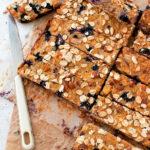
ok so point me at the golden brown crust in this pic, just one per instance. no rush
(28, 10)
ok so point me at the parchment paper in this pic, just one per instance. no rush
(54, 121)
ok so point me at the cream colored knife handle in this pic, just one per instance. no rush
(24, 119)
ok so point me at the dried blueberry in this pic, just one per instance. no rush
(81, 9)
(71, 31)
(88, 30)
(59, 41)
(59, 94)
(95, 67)
(94, 96)
(48, 6)
(38, 57)
(23, 20)
(47, 34)
(86, 104)
(34, 8)
(88, 59)
(125, 97)
(28, 62)
(55, 70)
(16, 8)
(75, 36)
(124, 18)
(96, 149)
(144, 51)
(96, 1)
(131, 7)
(89, 49)
(148, 7)
(43, 83)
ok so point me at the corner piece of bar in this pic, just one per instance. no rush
(135, 65)
(144, 23)
(28, 10)
(93, 137)
(129, 122)
(142, 44)
(124, 10)
(128, 92)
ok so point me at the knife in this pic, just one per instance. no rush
(17, 58)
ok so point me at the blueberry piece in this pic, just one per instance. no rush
(95, 68)
(59, 94)
(34, 7)
(89, 49)
(38, 57)
(96, 149)
(94, 96)
(88, 59)
(144, 51)
(48, 6)
(28, 62)
(86, 104)
(41, 7)
(59, 41)
(124, 18)
(71, 31)
(148, 7)
(23, 20)
(40, 15)
(47, 34)
(75, 36)
(55, 70)
(131, 7)
(124, 96)
(96, 1)
(16, 8)
(81, 9)
(43, 83)
(88, 29)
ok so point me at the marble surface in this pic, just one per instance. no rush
(6, 84)
(28, 35)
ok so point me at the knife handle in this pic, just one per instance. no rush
(24, 119)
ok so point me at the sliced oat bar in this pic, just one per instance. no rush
(85, 39)
(142, 44)
(128, 92)
(87, 14)
(93, 137)
(68, 72)
(124, 10)
(135, 65)
(144, 23)
(28, 10)
(131, 123)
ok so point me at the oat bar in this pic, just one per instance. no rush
(135, 65)
(28, 10)
(85, 39)
(131, 123)
(67, 72)
(93, 137)
(142, 44)
(124, 10)
(128, 92)
(144, 23)
(86, 13)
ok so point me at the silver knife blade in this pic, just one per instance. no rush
(15, 45)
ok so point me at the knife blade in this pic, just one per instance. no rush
(15, 43)
(17, 58)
